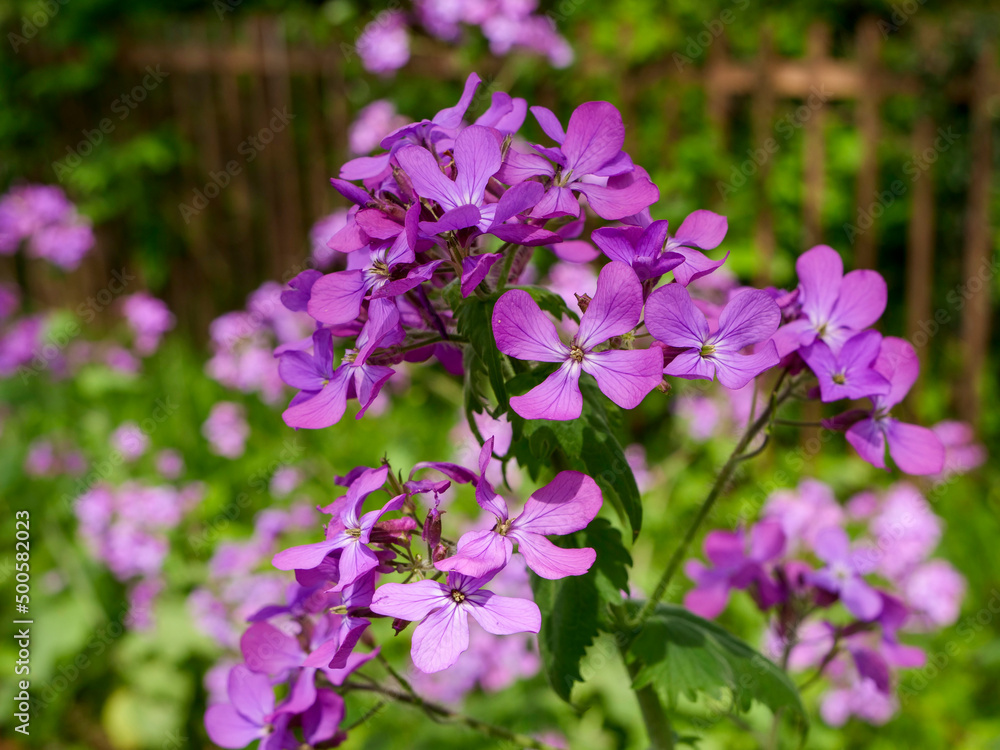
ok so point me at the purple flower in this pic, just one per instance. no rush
(849, 374)
(623, 375)
(566, 504)
(915, 449)
(10, 299)
(962, 452)
(169, 463)
(463, 200)
(347, 533)
(130, 441)
(804, 513)
(640, 248)
(337, 298)
(907, 530)
(249, 715)
(844, 574)
(590, 151)
(320, 235)
(749, 318)
(373, 123)
(149, 318)
(700, 230)
(934, 593)
(226, 429)
(322, 399)
(384, 44)
(834, 305)
(444, 608)
(738, 563)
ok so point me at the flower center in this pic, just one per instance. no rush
(458, 596)
(707, 350)
(380, 268)
(339, 610)
(576, 353)
(356, 533)
(821, 330)
(839, 378)
(502, 527)
(350, 355)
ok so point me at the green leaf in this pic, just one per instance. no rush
(587, 444)
(473, 316)
(574, 609)
(680, 652)
(550, 302)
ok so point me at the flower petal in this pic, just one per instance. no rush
(748, 318)
(702, 229)
(916, 450)
(268, 650)
(549, 561)
(616, 307)
(409, 601)
(673, 319)
(479, 553)
(523, 331)
(566, 504)
(557, 397)
(868, 440)
(250, 693)
(626, 376)
(336, 298)
(477, 158)
(862, 300)
(228, 728)
(504, 615)
(426, 177)
(595, 135)
(820, 271)
(440, 639)
(736, 370)
(305, 556)
(618, 203)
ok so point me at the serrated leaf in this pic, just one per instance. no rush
(587, 444)
(681, 653)
(473, 317)
(574, 608)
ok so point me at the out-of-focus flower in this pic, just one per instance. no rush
(226, 429)
(169, 463)
(42, 216)
(149, 318)
(384, 44)
(373, 123)
(129, 440)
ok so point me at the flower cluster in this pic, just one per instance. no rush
(43, 217)
(799, 561)
(149, 318)
(127, 528)
(226, 429)
(310, 643)
(420, 237)
(508, 25)
(243, 343)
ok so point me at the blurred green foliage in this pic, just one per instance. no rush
(145, 688)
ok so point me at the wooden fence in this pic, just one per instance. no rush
(227, 86)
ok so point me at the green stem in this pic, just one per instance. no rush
(508, 262)
(437, 712)
(720, 483)
(661, 734)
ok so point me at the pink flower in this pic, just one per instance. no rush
(566, 504)
(444, 608)
(623, 375)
